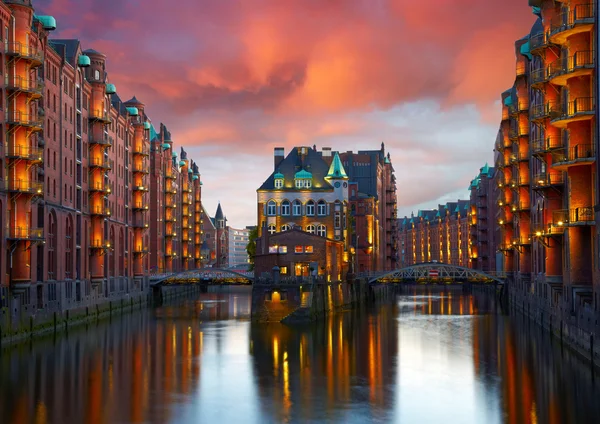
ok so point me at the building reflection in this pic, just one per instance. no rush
(319, 372)
(129, 370)
(540, 381)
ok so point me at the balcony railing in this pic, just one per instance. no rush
(140, 206)
(581, 153)
(537, 42)
(140, 188)
(24, 120)
(100, 187)
(25, 152)
(581, 60)
(24, 51)
(140, 150)
(100, 116)
(139, 223)
(575, 108)
(521, 241)
(543, 145)
(581, 14)
(538, 76)
(23, 186)
(545, 180)
(574, 216)
(18, 83)
(100, 210)
(104, 141)
(103, 163)
(25, 233)
(518, 205)
(519, 157)
(141, 167)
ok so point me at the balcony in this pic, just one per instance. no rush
(140, 250)
(521, 106)
(519, 157)
(140, 206)
(573, 217)
(581, 154)
(170, 219)
(25, 233)
(102, 163)
(18, 84)
(139, 150)
(141, 167)
(170, 190)
(23, 186)
(23, 51)
(582, 108)
(505, 247)
(99, 187)
(139, 224)
(538, 77)
(543, 145)
(519, 205)
(24, 120)
(580, 64)
(521, 241)
(549, 109)
(574, 21)
(547, 180)
(100, 210)
(100, 116)
(546, 230)
(141, 188)
(104, 141)
(170, 234)
(34, 154)
(538, 42)
(99, 244)
(501, 200)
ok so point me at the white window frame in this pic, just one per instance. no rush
(322, 230)
(271, 208)
(321, 208)
(278, 183)
(297, 205)
(299, 183)
(271, 229)
(285, 208)
(311, 229)
(310, 208)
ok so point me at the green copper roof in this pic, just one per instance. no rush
(174, 154)
(537, 11)
(485, 169)
(303, 175)
(147, 125)
(526, 49)
(508, 101)
(133, 111)
(278, 176)
(166, 146)
(195, 177)
(48, 22)
(336, 170)
(437, 215)
(153, 133)
(84, 61)
(190, 170)
(467, 206)
(457, 209)
(386, 160)
(181, 163)
(111, 89)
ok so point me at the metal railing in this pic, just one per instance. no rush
(562, 217)
(578, 153)
(25, 233)
(581, 14)
(16, 48)
(547, 179)
(100, 210)
(20, 83)
(100, 115)
(579, 60)
(97, 186)
(25, 152)
(105, 141)
(24, 186)
(23, 119)
(537, 41)
(545, 144)
(100, 163)
(580, 105)
(538, 76)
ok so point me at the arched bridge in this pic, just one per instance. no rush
(204, 276)
(435, 272)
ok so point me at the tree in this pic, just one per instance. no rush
(251, 247)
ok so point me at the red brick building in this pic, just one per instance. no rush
(84, 222)
(296, 251)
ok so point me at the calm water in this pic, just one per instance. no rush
(427, 358)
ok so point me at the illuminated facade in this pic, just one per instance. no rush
(74, 177)
(440, 235)
(483, 231)
(373, 173)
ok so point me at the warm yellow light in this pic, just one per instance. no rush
(540, 182)
(538, 233)
(560, 223)
(501, 222)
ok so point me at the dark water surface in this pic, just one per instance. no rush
(427, 358)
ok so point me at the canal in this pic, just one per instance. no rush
(429, 357)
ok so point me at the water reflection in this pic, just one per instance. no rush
(430, 357)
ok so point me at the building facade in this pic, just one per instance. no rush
(373, 173)
(75, 192)
(438, 235)
(307, 191)
(484, 221)
(238, 240)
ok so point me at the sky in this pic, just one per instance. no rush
(232, 79)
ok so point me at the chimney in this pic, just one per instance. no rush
(326, 152)
(278, 156)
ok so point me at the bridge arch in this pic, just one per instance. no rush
(196, 276)
(437, 271)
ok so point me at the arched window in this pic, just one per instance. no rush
(321, 208)
(285, 227)
(322, 231)
(297, 208)
(310, 229)
(271, 229)
(285, 207)
(310, 208)
(271, 208)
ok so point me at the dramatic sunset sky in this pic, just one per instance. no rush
(232, 79)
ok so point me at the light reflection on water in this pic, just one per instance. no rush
(429, 357)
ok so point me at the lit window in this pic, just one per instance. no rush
(337, 220)
(322, 231)
(308, 249)
(299, 249)
(271, 208)
(271, 229)
(282, 249)
(310, 208)
(310, 229)
(272, 249)
(283, 270)
(322, 208)
(299, 183)
(278, 183)
(285, 227)
(307, 183)
(297, 208)
(285, 208)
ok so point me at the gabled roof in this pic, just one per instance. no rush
(66, 48)
(219, 213)
(311, 162)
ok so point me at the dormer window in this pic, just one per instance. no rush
(303, 179)
(278, 178)
(278, 183)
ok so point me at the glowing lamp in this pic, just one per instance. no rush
(538, 233)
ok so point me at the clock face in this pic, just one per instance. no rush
(345, 185)
(337, 184)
